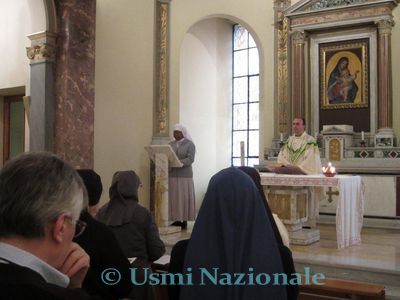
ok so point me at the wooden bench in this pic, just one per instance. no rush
(342, 289)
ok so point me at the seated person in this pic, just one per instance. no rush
(101, 245)
(300, 153)
(133, 226)
(41, 198)
(233, 234)
(176, 266)
(292, 291)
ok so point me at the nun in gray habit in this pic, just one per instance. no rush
(232, 234)
(133, 226)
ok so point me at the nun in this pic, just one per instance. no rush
(134, 228)
(181, 187)
(232, 237)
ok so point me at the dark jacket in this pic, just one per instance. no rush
(17, 282)
(101, 245)
(131, 223)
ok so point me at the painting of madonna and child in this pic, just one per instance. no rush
(344, 75)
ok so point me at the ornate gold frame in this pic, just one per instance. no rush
(356, 51)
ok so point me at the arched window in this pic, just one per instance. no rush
(245, 97)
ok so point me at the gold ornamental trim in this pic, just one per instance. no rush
(161, 101)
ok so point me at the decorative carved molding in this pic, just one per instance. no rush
(43, 47)
(41, 53)
(340, 16)
(298, 37)
(161, 100)
(385, 26)
(333, 3)
(281, 5)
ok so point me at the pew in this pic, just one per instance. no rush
(342, 289)
(331, 289)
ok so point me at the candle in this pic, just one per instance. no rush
(242, 153)
(281, 137)
(362, 135)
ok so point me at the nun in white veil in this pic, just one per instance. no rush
(181, 187)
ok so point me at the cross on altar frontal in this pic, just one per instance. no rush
(330, 193)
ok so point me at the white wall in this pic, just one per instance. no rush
(205, 97)
(257, 17)
(18, 18)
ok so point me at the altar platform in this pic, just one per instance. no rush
(375, 260)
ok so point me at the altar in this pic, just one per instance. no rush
(350, 204)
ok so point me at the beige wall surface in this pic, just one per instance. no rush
(124, 81)
(123, 89)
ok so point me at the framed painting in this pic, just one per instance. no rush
(344, 74)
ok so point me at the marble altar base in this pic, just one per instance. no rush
(291, 205)
(304, 236)
(169, 230)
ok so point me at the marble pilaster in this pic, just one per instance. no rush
(75, 71)
(161, 194)
(41, 107)
(385, 102)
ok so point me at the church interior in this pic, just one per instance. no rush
(97, 81)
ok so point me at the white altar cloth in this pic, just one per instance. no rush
(350, 204)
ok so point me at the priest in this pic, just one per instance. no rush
(300, 151)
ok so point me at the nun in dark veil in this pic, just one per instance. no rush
(292, 291)
(133, 226)
(233, 234)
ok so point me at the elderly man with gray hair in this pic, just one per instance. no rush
(41, 198)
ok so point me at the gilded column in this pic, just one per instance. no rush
(385, 102)
(159, 167)
(298, 74)
(281, 66)
(42, 53)
(161, 101)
